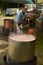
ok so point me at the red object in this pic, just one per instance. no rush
(31, 31)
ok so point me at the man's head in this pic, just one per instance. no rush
(24, 8)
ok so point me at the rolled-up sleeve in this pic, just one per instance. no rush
(20, 17)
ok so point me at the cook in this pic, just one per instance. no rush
(20, 17)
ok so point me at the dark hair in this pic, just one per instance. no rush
(24, 5)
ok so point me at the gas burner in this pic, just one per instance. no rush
(31, 62)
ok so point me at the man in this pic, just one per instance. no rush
(20, 17)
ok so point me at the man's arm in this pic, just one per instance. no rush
(16, 20)
(17, 27)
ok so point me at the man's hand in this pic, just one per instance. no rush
(19, 31)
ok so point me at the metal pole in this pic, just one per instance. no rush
(36, 17)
